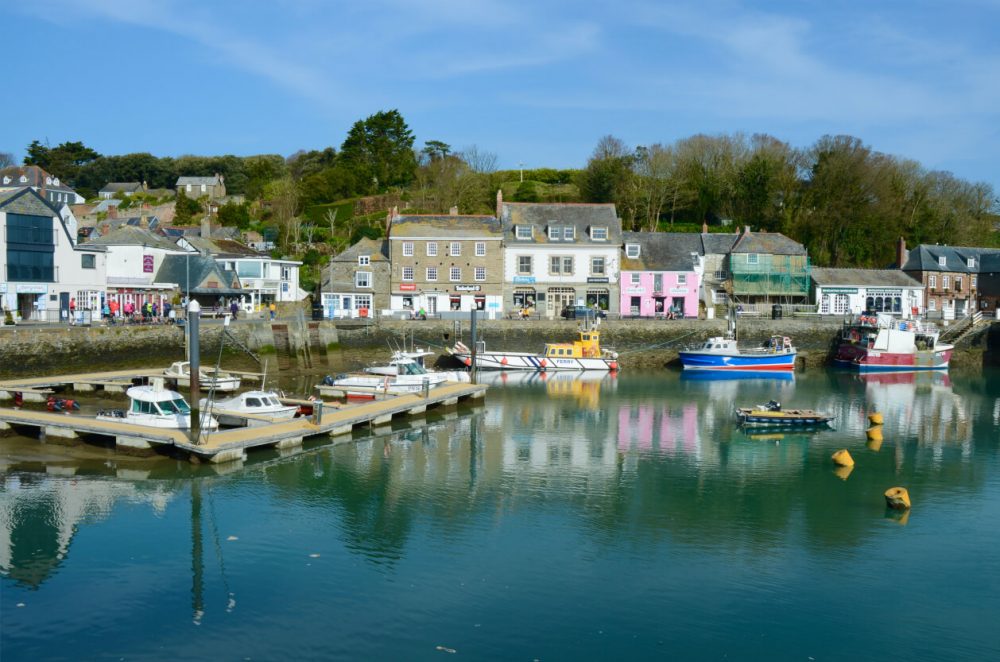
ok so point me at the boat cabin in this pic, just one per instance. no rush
(588, 346)
(157, 402)
(883, 333)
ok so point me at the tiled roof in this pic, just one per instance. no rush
(717, 243)
(176, 268)
(445, 226)
(129, 235)
(221, 247)
(126, 187)
(541, 215)
(26, 201)
(197, 181)
(767, 243)
(863, 277)
(661, 251)
(378, 249)
(104, 205)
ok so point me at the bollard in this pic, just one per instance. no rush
(843, 458)
(897, 498)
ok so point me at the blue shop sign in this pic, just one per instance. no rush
(524, 280)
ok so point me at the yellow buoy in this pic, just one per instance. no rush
(843, 458)
(874, 444)
(843, 472)
(874, 434)
(897, 498)
(875, 418)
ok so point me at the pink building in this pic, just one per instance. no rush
(661, 271)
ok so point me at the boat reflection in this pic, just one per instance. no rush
(730, 375)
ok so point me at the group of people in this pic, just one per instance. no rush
(148, 312)
(672, 312)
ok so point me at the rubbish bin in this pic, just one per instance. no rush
(776, 311)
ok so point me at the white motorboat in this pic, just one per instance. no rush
(266, 404)
(585, 353)
(411, 378)
(401, 360)
(180, 371)
(156, 407)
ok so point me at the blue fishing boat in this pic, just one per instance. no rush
(722, 353)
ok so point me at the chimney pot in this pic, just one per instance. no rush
(453, 211)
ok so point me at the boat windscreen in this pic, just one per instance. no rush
(175, 406)
(413, 369)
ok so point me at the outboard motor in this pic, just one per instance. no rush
(773, 405)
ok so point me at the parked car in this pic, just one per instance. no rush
(581, 312)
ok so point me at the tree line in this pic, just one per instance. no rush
(846, 202)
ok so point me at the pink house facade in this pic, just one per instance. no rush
(661, 272)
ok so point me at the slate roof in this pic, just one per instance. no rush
(130, 235)
(990, 263)
(175, 269)
(716, 243)
(221, 247)
(767, 243)
(121, 187)
(35, 176)
(925, 258)
(445, 226)
(378, 249)
(541, 215)
(661, 251)
(26, 201)
(198, 181)
(152, 222)
(105, 205)
(824, 276)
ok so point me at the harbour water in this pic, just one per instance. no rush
(620, 518)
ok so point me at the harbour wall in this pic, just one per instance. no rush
(301, 343)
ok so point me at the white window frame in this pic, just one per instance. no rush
(932, 304)
(594, 261)
(432, 249)
(599, 233)
(682, 279)
(971, 263)
(972, 281)
(364, 260)
(480, 274)
(522, 232)
(454, 249)
(942, 260)
(555, 233)
(958, 282)
(432, 274)
(455, 274)
(569, 233)
(635, 278)
(365, 276)
(932, 282)
(204, 189)
(407, 273)
(520, 264)
(944, 282)
(407, 249)
(753, 258)
(632, 251)
(480, 249)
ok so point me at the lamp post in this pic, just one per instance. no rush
(194, 358)
(521, 168)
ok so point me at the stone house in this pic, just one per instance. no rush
(949, 274)
(446, 263)
(214, 187)
(768, 267)
(854, 291)
(661, 271)
(559, 255)
(357, 280)
(715, 248)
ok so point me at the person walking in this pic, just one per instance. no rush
(72, 311)
(234, 308)
(273, 309)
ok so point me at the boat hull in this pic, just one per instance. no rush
(864, 359)
(783, 420)
(695, 360)
(535, 362)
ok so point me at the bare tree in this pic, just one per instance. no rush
(479, 160)
(6, 160)
(283, 195)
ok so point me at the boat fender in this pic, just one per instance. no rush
(897, 498)
(614, 355)
(843, 458)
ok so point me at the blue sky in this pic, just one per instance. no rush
(535, 82)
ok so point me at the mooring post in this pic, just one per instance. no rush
(475, 339)
(193, 323)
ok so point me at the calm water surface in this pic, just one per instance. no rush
(622, 518)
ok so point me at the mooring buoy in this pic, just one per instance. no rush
(897, 498)
(843, 458)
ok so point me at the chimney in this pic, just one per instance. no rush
(206, 228)
(901, 253)
(746, 229)
(499, 201)
(112, 211)
(704, 227)
(453, 211)
(144, 221)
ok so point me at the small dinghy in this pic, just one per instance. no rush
(772, 415)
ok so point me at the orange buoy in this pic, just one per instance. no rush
(897, 498)
(843, 458)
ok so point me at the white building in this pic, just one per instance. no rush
(854, 291)
(44, 273)
(263, 277)
(558, 255)
(134, 256)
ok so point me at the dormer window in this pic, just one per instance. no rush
(48, 181)
(522, 232)
(599, 233)
(971, 263)
(24, 180)
(569, 233)
(364, 260)
(555, 233)
(632, 251)
(55, 181)
(942, 261)
(6, 180)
